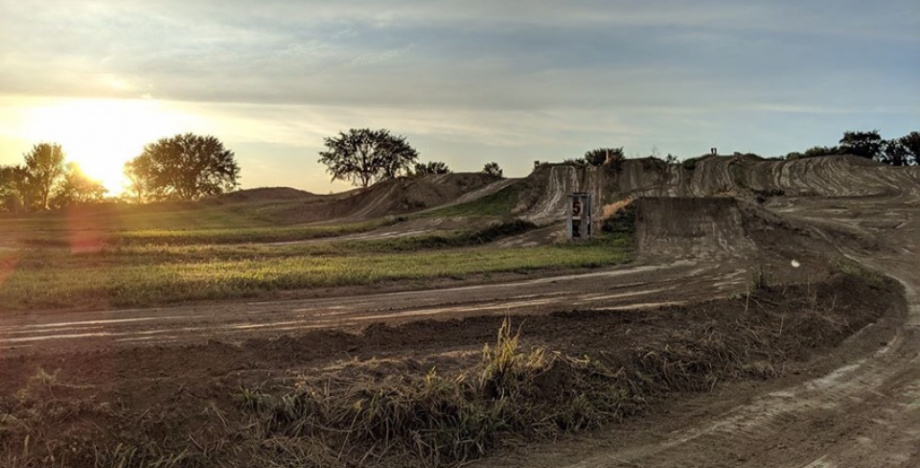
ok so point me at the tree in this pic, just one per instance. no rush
(44, 165)
(139, 172)
(911, 143)
(6, 181)
(867, 145)
(77, 187)
(431, 168)
(895, 154)
(597, 157)
(16, 188)
(492, 169)
(184, 167)
(9, 191)
(366, 156)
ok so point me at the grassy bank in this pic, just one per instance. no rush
(223, 235)
(138, 276)
(499, 204)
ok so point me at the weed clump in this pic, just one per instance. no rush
(444, 420)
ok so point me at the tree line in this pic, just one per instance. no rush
(189, 167)
(45, 181)
(903, 151)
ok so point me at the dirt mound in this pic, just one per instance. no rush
(405, 195)
(261, 194)
(387, 198)
(547, 188)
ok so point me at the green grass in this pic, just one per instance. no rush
(175, 223)
(499, 204)
(153, 275)
(222, 235)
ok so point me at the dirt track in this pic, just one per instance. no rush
(864, 412)
(623, 287)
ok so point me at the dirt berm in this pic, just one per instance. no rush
(392, 197)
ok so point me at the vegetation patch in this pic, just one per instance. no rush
(239, 235)
(499, 204)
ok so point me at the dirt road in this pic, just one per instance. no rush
(632, 286)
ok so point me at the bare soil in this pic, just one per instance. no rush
(186, 397)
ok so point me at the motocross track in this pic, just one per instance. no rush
(864, 413)
(695, 244)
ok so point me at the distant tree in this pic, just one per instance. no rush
(911, 143)
(599, 156)
(867, 145)
(894, 153)
(492, 169)
(140, 174)
(431, 168)
(365, 156)
(44, 165)
(818, 151)
(6, 181)
(77, 187)
(794, 155)
(184, 167)
(12, 184)
(671, 160)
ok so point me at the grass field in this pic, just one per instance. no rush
(169, 224)
(148, 275)
(117, 256)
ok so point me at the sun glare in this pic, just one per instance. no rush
(101, 135)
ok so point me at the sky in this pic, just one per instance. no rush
(466, 81)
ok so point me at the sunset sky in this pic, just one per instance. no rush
(467, 81)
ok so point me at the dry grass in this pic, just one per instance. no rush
(612, 209)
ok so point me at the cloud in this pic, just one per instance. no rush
(472, 80)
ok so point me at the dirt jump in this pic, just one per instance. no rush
(771, 318)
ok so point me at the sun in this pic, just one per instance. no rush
(102, 134)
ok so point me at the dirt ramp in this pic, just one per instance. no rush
(691, 227)
(550, 185)
(407, 195)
